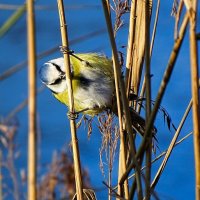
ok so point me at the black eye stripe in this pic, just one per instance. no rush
(57, 67)
(61, 77)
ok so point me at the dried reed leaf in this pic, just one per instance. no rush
(138, 45)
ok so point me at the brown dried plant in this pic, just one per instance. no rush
(58, 182)
(110, 135)
(120, 7)
(10, 153)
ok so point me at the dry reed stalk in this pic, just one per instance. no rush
(148, 98)
(120, 85)
(75, 148)
(188, 4)
(32, 139)
(155, 27)
(122, 150)
(195, 92)
(164, 83)
(171, 147)
(130, 44)
(138, 46)
(122, 161)
(151, 50)
(122, 166)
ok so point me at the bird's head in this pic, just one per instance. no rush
(52, 74)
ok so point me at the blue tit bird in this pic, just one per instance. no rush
(92, 83)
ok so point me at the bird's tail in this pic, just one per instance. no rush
(139, 123)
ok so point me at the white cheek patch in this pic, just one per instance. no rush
(51, 74)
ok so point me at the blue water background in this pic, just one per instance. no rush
(177, 181)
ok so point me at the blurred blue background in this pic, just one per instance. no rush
(177, 181)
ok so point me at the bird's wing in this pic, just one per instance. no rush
(94, 61)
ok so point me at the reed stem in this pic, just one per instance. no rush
(75, 148)
(122, 150)
(148, 98)
(195, 95)
(32, 139)
(123, 96)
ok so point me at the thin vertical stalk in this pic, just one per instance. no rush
(120, 85)
(32, 149)
(75, 148)
(117, 75)
(122, 150)
(155, 27)
(195, 95)
(148, 98)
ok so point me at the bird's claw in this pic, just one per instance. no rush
(72, 115)
(65, 49)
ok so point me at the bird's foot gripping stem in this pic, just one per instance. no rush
(72, 115)
(65, 49)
